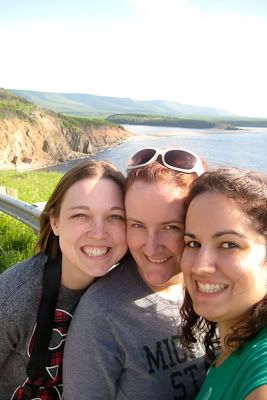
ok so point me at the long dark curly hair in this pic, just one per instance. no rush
(249, 190)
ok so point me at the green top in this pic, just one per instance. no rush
(241, 373)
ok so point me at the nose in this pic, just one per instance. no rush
(204, 262)
(151, 244)
(97, 229)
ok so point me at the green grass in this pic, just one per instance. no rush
(12, 106)
(78, 123)
(17, 239)
(31, 186)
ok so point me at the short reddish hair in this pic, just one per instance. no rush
(157, 172)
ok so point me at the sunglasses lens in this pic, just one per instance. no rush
(141, 157)
(180, 159)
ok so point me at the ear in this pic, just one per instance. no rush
(54, 222)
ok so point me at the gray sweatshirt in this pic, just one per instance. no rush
(123, 343)
(20, 293)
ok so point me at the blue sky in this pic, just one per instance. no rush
(200, 52)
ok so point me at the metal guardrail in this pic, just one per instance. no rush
(24, 212)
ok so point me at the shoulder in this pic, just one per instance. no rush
(254, 364)
(115, 287)
(256, 347)
(21, 278)
(252, 352)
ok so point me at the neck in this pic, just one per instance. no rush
(172, 290)
(225, 329)
(75, 281)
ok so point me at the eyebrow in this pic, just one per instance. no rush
(218, 234)
(229, 232)
(88, 208)
(162, 223)
(173, 222)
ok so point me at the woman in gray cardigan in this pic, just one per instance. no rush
(124, 340)
(82, 235)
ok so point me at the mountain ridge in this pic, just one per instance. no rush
(89, 104)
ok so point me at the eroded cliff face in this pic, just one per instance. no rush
(46, 141)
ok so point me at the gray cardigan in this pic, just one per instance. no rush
(20, 294)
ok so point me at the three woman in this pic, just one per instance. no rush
(82, 235)
(225, 270)
(123, 342)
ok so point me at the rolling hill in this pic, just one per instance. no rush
(88, 104)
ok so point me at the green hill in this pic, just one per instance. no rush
(12, 106)
(85, 109)
(88, 104)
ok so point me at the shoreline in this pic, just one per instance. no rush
(25, 167)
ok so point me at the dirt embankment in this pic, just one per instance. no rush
(46, 141)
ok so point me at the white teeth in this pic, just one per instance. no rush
(95, 251)
(158, 260)
(211, 287)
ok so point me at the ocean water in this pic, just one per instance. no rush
(246, 148)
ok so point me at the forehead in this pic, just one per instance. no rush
(216, 211)
(91, 190)
(166, 191)
(154, 201)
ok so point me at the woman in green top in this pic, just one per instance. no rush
(225, 271)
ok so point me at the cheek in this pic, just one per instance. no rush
(66, 244)
(179, 247)
(237, 267)
(173, 242)
(134, 239)
(71, 232)
(119, 234)
(186, 261)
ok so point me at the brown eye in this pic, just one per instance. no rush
(79, 216)
(137, 226)
(172, 227)
(117, 217)
(229, 245)
(193, 244)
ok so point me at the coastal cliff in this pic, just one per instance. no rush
(33, 137)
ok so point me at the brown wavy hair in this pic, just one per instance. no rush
(249, 190)
(47, 242)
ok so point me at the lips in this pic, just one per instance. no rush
(211, 287)
(95, 251)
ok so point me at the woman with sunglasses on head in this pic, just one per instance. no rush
(123, 341)
(225, 270)
(82, 235)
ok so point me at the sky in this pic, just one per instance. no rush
(208, 53)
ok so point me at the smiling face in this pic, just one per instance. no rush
(224, 261)
(91, 229)
(155, 226)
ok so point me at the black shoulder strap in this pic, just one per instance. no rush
(45, 318)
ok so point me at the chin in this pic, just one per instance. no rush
(204, 314)
(161, 283)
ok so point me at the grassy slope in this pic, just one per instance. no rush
(13, 106)
(17, 239)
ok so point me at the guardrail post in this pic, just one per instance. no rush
(12, 192)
